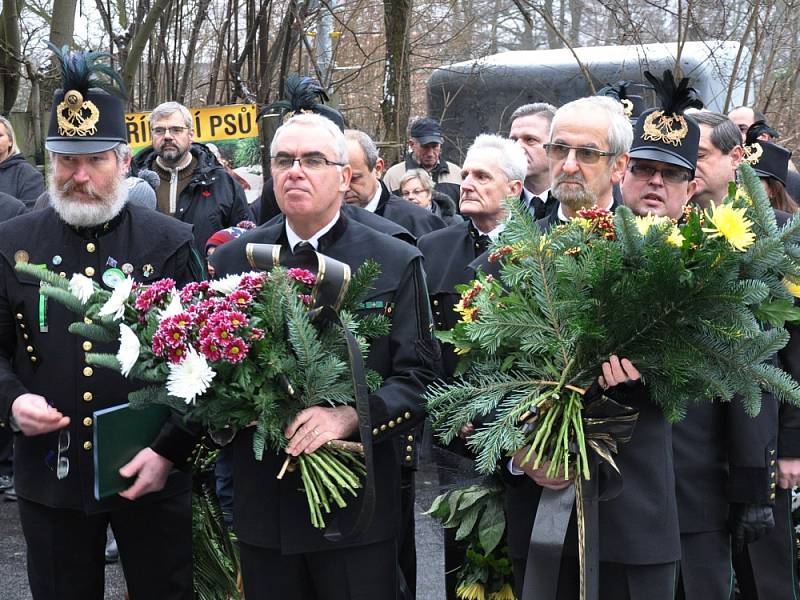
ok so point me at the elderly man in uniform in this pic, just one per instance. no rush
(283, 556)
(47, 391)
(368, 192)
(720, 453)
(638, 529)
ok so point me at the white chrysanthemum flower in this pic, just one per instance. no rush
(173, 308)
(190, 377)
(128, 352)
(115, 305)
(226, 285)
(81, 287)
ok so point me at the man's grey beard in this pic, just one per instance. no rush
(87, 214)
(572, 197)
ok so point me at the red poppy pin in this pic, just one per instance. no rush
(205, 193)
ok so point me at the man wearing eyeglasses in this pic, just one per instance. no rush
(49, 393)
(588, 151)
(195, 188)
(283, 556)
(722, 477)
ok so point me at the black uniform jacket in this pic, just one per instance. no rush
(273, 513)
(38, 355)
(416, 219)
(448, 253)
(640, 525)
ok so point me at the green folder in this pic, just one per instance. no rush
(120, 432)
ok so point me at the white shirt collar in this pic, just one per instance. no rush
(529, 194)
(494, 233)
(373, 204)
(295, 239)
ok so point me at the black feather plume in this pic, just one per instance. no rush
(674, 98)
(301, 93)
(83, 70)
(757, 129)
(618, 91)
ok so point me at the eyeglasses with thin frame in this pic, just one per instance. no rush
(307, 162)
(415, 192)
(173, 130)
(583, 154)
(668, 174)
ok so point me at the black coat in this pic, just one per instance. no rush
(640, 525)
(448, 253)
(10, 207)
(274, 514)
(416, 219)
(38, 354)
(211, 201)
(444, 208)
(20, 179)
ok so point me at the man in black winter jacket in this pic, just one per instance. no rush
(194, 187)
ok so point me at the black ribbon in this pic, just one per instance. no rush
(332, 280)
(606, 424)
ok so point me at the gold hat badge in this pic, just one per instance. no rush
(627, 107)
(752, 153)
(76, 116)
(669, 129)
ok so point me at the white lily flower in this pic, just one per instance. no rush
(81, 287)
(128, 352)
(173, 308)
(189, 378)
(115, 305)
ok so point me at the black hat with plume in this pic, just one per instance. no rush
(766, 158)
(304, 94)
(665, 133)
(632, 104)
(88, 113)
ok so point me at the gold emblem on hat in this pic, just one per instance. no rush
(669, 129)
(627, 107)
(76, 116)
(752, 153)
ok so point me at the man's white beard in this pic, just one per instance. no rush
(80, 213)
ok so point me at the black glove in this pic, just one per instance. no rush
(748, 522)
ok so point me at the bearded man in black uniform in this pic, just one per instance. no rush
(47, 391)
(283, 556)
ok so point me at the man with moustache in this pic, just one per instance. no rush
(368, 192)
(48, 393)
(195, 188)
(720, 453)
(638, 531)
(283, 556)
(530, 128)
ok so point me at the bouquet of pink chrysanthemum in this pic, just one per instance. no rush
(230, 353)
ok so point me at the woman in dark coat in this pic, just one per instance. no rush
(417, 187)
(18, 177)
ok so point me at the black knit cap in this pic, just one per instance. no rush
(664, 133)
(304, 94)
(632, 104)
(88, 113)
(766, 158)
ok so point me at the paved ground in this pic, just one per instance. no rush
(430, 583)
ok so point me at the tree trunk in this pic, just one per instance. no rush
(396, 101)
(200, 16)
(10, 55)
(139, 41)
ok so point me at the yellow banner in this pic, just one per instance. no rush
(211, 124)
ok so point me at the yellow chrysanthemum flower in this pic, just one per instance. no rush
(741, 194)
(643, 224)
(504, 593)
(793, 287)
(730, 223)
(473, 591)
(675, 237)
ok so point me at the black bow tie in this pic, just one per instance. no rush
(303, 247)
(538, 207)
